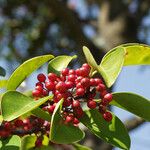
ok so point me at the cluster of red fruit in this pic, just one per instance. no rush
(76, 88)
(26, 126)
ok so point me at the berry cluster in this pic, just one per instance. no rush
(26, 126)
(76, 88)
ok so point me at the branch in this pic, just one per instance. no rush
(133, 123)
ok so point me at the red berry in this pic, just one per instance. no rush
(76, 104)
(98, 81)
(103, 93)
(69, 118)
(62, 78)
(56, 100)
(92, 82)
(91, 104)
(51, 108)
(61, 86)
(59, 96)
(107, 116)
(7, 125)
(78, 79)
(78, 112)
(36, 93)
(39, 88)
(100, 87)
(69, 84)
(86, 66)
(71, 78)
(85, 82)
(67, 103)
(78, 72)
(50, 85)
(41, 77)
(108, 97)
(79, 85)
(45, 92)
(75, 121)
(38, 142)
(18, 123)
(72, 72)
(84, 72)
(39, 84)
(80, 92)
(52, 76)
(65, 72)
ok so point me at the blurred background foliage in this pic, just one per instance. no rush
(31, 27)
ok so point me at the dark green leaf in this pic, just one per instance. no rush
(112, 132)
(80, 147)
(15, 104)
(60, 132)
(2, 71)
(111, 65)
(42, 114)
(12, 143)
(24, 70)
(3, 83)
(133, 103)
(59, 63)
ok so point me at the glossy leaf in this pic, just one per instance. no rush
(111, 65)
(24, 70)
(41, 114)
(3, 83)
(89, 57)
(123, 55)
(60, 132)
(15, 104)
(12, 143)
(133, 103)
(59, 63)
(28, 142)
(80, 147)
(136, 54)
(2, 71)
(112, 132)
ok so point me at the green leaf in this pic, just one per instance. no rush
(24, 70)
(63, 133)
(3, 83)
(133, 103)
(111, 65)
(2, 71)
(41, 114)
(15, 104)
(28, 142)
(12, 143)
(89, 57)
(112, 132)
(59, 63)
(80, 147)
(136, 54)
